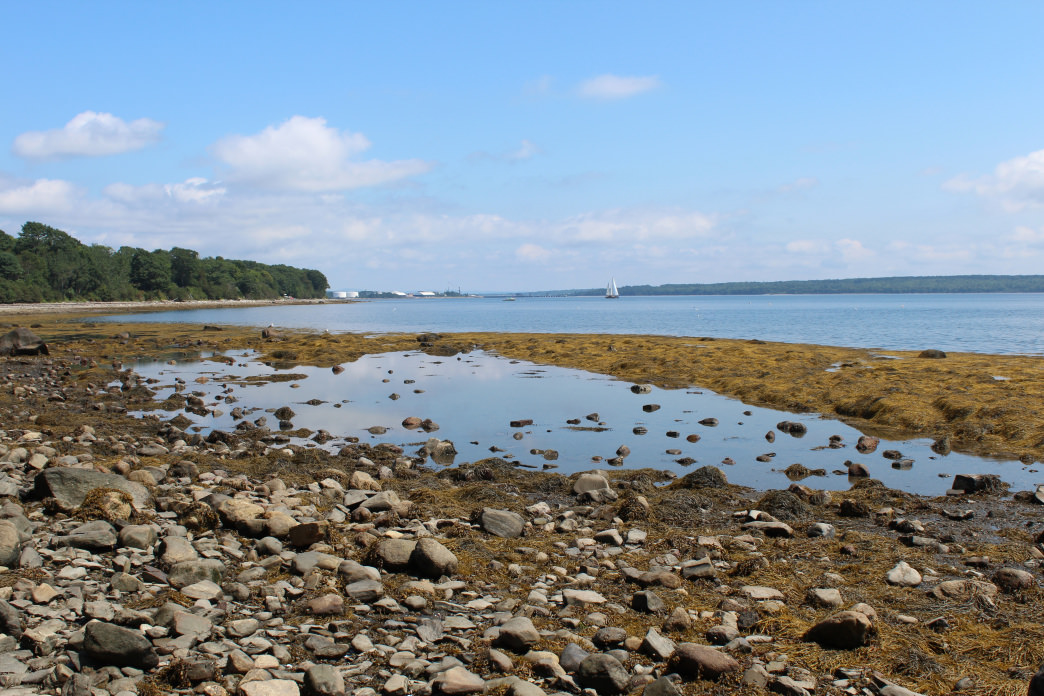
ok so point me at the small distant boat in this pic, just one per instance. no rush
(611, 291)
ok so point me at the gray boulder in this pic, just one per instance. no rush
(502, 523)
(70, 486)
(603, 673)
(22, 341)
(431, 559)
(109, 644)
(10, 543)
(96, 535)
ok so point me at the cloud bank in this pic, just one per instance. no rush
(88, 134)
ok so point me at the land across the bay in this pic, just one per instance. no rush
(779, 563)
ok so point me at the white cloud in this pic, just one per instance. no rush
(1028, 235)
(304, 154)
(40, 196)
(853, 250)
(195, 190)
(1017, 183)
(88, 134)
(802, 184)
(630, 226)
(805, 246)
(617, 86)
(533, 253)
(525, 150)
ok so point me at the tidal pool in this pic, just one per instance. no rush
(475, 397)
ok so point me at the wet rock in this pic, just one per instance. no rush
(857, 469)
(867, 444)
(641, 389)
(978, 483)
(114, 645)
(702, 662)
(844, 630)
(650, 408)
(931, 353)
(709, 422)
(792, 428)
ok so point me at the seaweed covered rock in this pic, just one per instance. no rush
(704, 477)
(784, 505)
(22, 341)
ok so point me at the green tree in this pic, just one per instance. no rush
(150, 271)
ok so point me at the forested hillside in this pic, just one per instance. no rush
(896, 284)
(44, 264)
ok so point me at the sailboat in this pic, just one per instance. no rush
(611, 291)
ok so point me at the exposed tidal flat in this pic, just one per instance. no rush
(261, 562)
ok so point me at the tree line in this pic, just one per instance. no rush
(44, 264)
(889, 285)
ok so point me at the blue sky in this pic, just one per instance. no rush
(535, 145)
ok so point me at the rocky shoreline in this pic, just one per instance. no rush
(141, 558)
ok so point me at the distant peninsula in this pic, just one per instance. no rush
(841, 286)
(44, 264)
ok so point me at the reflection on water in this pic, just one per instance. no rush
(582, 417)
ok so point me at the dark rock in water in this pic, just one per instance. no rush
(284, 413)
(22, 341)
(931, 353)
(649, 408)
(941, 445)
(593, 417)
(521, 422)
(867, 444)
(114, 645)
(704, 477)
(792, 428)
(894, 455)
(903, 464)
(639, 430)
(978, 483)
(337, 369)
(692, 438)
(641, 389)
(709, 422)
(857, 470)
(770, 436)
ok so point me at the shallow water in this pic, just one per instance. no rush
(984, 323)
(474, 398)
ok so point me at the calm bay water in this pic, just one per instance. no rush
(984, 323)
(476, 396)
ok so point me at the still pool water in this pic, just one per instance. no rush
(474, 398)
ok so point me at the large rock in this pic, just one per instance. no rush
(458, 680)
(844, 630)
(10, 543)
(502, 523)
(10, 620)
(603, 673)
(903, 575)
(109, 644)
(323, 680)
(518, 634)
(963, 589)
(393, 555)
(97, 535)
(702, 661)
(22, 341)
(431, 559)
(69, 487)
(190, 572)
(593, 487)
(238, 513)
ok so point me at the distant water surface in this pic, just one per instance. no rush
(983, 323)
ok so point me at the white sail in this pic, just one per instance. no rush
(611, 291)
